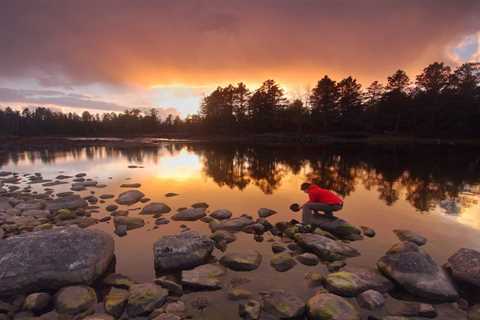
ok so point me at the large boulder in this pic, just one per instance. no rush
(183, 251)
(336, 226)
(326, 306)
(417, 273)
(464, 266)
(355, 281)
(51, 259)
(129, 197)
(326, 248)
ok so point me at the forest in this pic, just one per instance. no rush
(440, 102)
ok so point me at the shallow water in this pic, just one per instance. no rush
(433, 190)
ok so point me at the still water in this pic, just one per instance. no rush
(432, 190)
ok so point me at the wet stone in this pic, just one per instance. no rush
(250, 310)
(75, 300)
(115, 302)
(265, 212)
(155, 208)
(407, 235)
(353, 282)
(308, 259)
(282, 262)
(283, 304)
(325, 248)
(144, 298)
(371, 299)
(190, 214)
(464, 266)
(129, 197)
(204, 277)
(326, 306)
(242, 261)
(221, 214)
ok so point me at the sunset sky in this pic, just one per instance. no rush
(112, 54)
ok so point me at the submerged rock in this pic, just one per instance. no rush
(464, 266)
(183, 251)
(407, 235)
(207, 276)
(190, 214)
(326, 248)
(326, 306)
(283, 304)
(242, 261)
(129, 197)
(51, 259)
(419, 274)
(352, 283)
(155, 208)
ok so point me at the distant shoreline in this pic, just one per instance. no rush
(11, 143)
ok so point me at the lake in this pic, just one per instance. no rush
(433, 190)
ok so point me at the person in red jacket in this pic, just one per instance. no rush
(320, 200)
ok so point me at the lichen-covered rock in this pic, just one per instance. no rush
(419, 274)
(115, 302)
(207, 276)
(352, 283)
(183, 251)
(37, 302)
(371, 299)
(282, 262)
(51, 259)
(144, 298)
(308, 259)
(242, 261)
(464, 266)
(75, 300)
(250, 310)
(283, 304)
(326, 248)
(326, 306)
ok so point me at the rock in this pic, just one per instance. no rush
(115, 302)
(407, 235)
(207, 276)
(242, 261)
(239, 294)
(283, 304)
(418, 274)
(65, 214)
(130, 185)
(30, 205)
(183, 251)
(155, 208)
(37, 302)
(97, 316)
(51, 259)
(129, 197)
(107, 196)
(200, 205)
(325, 248)
(352, 283)
(171, 194)
(368, 232)
(336, 226)
(282, 262)
(118, 280)
(371, 299)
(172, 287)
(72, 202)
(178, 308)
(190, 214)
(75, 300)
(250, 310)
(412, 309)
(464, 266)
(144, 298)
(223, 235)
(335, 266)
(308, 259)
(403, 246)
(234, 224)
(130, 222)
(314, 278)
(326, 306)
(121, 230)
(221, 214)
(277, 248)
(474, 312)
(265, 212)
(167, 316)
(111, 207)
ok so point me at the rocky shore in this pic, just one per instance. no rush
(53, 266)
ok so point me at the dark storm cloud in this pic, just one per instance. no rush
(72, 42)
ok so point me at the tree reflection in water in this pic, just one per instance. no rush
(427, 175)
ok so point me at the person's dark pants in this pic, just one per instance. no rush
(328, 209)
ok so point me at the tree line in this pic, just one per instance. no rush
(439, 102)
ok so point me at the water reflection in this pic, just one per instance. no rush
(430, 178)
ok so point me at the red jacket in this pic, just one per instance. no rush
(317, 194)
